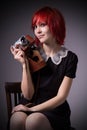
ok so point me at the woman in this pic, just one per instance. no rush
(51, 110)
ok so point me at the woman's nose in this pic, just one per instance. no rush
(38, 29)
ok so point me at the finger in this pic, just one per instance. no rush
(12, 49)
(13, 110)
(19, 54)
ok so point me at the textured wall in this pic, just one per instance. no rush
(15, 19)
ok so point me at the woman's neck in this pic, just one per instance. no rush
(51, 49)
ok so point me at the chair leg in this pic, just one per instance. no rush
(8, 125)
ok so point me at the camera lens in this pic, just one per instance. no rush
(24, 41)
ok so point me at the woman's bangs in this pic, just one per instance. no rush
(39, 19)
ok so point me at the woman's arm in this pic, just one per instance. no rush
(53, 102)
(58, 99)
(27, 86)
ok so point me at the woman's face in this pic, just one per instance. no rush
(42, 32)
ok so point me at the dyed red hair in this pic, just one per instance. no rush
(54, 19)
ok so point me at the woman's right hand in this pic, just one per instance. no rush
(18, 54)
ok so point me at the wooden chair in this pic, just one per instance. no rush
(13, 94)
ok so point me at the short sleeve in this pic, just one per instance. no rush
(71, 65)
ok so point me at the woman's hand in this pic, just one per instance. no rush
(21, 107)
(18, 54)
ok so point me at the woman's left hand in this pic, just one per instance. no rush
(20, 108)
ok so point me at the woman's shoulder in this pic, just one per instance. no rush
(72, 55)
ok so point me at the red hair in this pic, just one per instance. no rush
(54, 19)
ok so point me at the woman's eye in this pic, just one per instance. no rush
(40, 25)
(35, 27)
(43, 24)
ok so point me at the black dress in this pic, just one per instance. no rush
(64, 63)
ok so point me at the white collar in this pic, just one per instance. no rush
(57, 58)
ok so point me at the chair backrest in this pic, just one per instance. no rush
(13, 94)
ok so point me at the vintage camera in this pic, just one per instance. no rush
(27, 44)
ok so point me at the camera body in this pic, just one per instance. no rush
(27, 44)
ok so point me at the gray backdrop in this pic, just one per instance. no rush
(15, 20)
